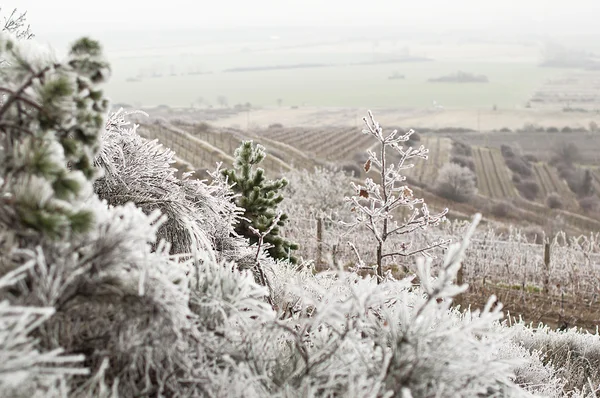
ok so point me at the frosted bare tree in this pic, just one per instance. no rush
(16, 24)
(376, 204)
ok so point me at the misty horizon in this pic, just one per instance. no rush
(532, 16)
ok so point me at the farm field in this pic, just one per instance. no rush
(539, 144)
(479, 121)
(201, 154)
(298, 148)
(493, 178)
(549, 182)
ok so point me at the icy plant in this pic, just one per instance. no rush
(574, 355)
(376, 203)
(350, 336)
(317, 193)
(23, 368)
(199, 216)
(455, 182)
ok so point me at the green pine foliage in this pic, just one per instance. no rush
(259, 198)
(50, 116)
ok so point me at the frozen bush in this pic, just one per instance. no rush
(554, 201)
(460, 148)
(590, 204)
(565, 152)
(455, 183)
(463, 161)
(507, 151)
(528, 189)
(575, 356)
(519, 166)
(503, 209)
(141, 171)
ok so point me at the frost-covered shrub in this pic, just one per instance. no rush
(590, 204)
(519, 166)
(554, 201)
(361, 338)
(503, 209)
(455, 182)
(317, 193)
(565, 152)
(529, 189)
(460, 148)
(463, 161)
(575, 356)
(137, 170)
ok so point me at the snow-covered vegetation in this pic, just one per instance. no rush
(119, 279)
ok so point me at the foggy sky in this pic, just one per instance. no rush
(51, 16)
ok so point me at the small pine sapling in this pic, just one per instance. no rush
(375, 204)
(259, 198)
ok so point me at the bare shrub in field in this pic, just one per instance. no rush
(317, 193)
(375, 204)
(502, 209)
(455, 183)
(528, 189)
(464, 161)
(579, 180)
(519, 165)
(590, 204)
(565, 152)
(461, 149)
(554, 201)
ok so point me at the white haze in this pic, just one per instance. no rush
(535, 16)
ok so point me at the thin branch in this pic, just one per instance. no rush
(424, 249)
(17, 94)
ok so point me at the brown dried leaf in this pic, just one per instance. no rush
(363, 193)
(368, 165)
